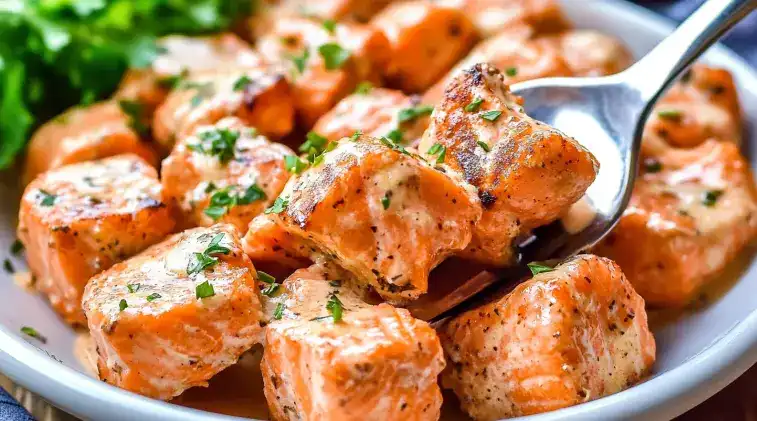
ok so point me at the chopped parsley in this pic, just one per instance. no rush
(135, 111)
(279, 205)
(133, 287)
(492, 115)
(204, 290)
(204, 260)
(279, 312)
(511, 71)
(364, 88)
(410, 114)
(356, 136)
(242, 83)
(122, 305)
(294, 164)
(484, 146)
(314, 145)
(17, 247)
(672, 115)
(318, 159)
(652, 165)
(152, 297)
(537, 268)
(439, 150)
(48, 199)
(334, 56)
(301, 61)
(395, 136)
(329, 25)
(204, 91)
(224, 199)
(217, 142)
(386, 201)
(32, 333)
(271, 281)
(8, 266)
(335, 308)
(474, 105)
(711, 197)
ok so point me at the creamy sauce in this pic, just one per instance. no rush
(579, 216)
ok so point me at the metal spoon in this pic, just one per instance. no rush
(607, 115)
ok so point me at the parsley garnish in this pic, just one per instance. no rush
(204, 290)
(335, 308)
(204, 260)
(271, 281)
(122, 305)
(439, 150)
(314, 145)
(17, 247)
(334, 56)
(8, 266)
(652, 165)
(711, 197)
(511, 71)
(672, 115)
(217, 142)
(355, 136)
(492, 115)
(223, 200)
(301, 61)
(279, 312)
(386, 201)
(483, 146)
(330, 147)
(329, 25)
(204, 90)
(135, 111)
(133, 287)
(474, 105)
(279, 205)
(152, 297)
(395, 136)
(364, 88)
(48, 199)
(31, 332)
(242, 83)
(294, 164)
(410, 114)
(537, 268)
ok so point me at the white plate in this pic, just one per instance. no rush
(698, 354)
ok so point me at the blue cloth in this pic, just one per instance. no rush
(743, 40)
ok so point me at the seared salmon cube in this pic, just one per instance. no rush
(425, 39)
(339, 10)
(88, 133)
(268, 243)
(527, 173)
(324, 63)
(180, 57)
(381, 213)
(492, 16)
(334, 357)
(377, 112)
(260, 97)
(566, 336)
(175, 315)
(226, 172)
(704, 104)
(80, 219)
(692, 211)
(592, 53)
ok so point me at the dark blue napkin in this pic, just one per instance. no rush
(743, 40)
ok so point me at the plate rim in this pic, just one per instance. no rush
(660, 397)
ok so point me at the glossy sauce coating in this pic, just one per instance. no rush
(192, 177)
(567, 336)
(527, 173)
(155, 336)
(80, 219)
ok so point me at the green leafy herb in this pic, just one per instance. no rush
(439, 150)
(271, 281)
(483, 146)
(410, 114)
(32, 333)
(386, 201)
(537, 268)
(335, 308)
(152, 297)
(492, 115)
(279, 205)
(17, 247)
(8, 266)
(47, 199)
(314, 145)
(241, 83)
(329, 25)
(672, 115)
(711, 197)
(265, 277)
(204, 260)
(474, 105)
(652, 165)
(301, 61)
(279, 312)
(224, 199)
(135, 111)
(204, 290)
(511, 71)
(294, 164)
(318, 159)
(356, 136)
(217, 142)
(395, 136)
(364, 88)
(334, 56)
(133, 287)
(122, 305)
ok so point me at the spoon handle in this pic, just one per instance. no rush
(657, 71)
